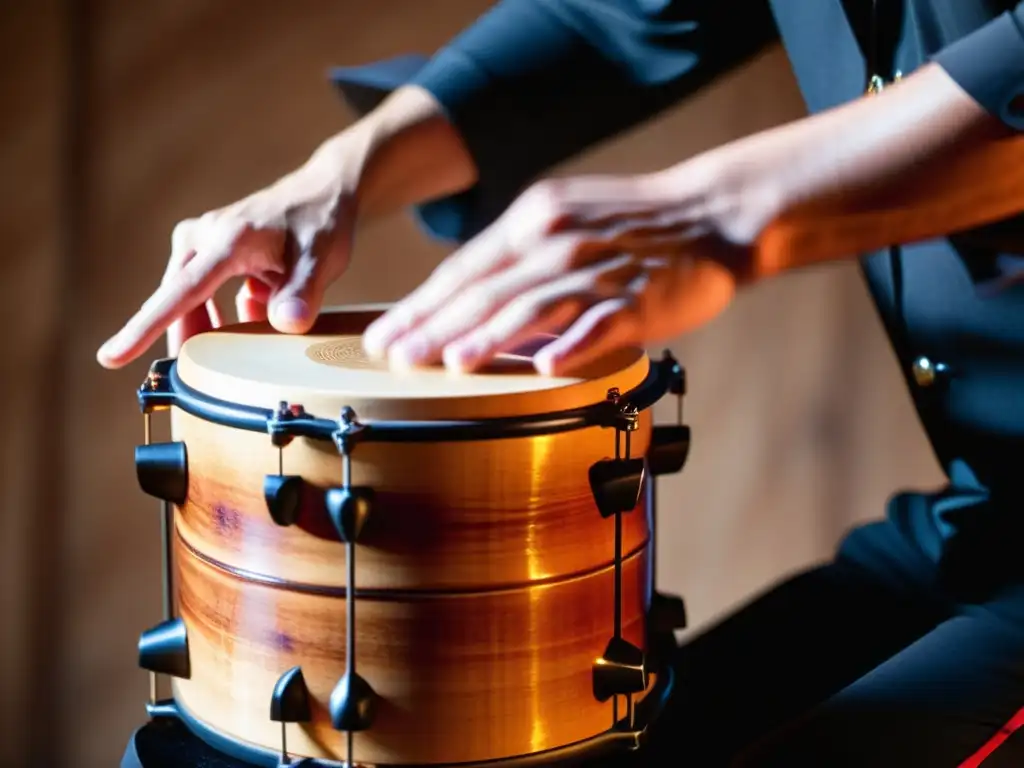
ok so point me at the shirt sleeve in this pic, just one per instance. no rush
(989, 65)
(534, 82)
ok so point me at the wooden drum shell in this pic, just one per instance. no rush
(460, 677)
(456, 515)
(484, 576)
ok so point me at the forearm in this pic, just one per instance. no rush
(870, 144)
(894, 150)
(403, 153)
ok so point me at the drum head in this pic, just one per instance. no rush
(326, 369)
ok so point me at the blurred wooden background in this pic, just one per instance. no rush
(136, 115)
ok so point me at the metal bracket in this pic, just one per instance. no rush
(616, 484)
(353, 700)
(289, 703)
(283, 493)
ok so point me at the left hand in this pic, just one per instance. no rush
(600, 262)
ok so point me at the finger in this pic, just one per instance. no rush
(294, 305)
(203, 318)
(481, 257)
(545, 309)
(609, 325)
(189, 288)
(594, 202)
(423, 344)
(251, 301)
(482, 300)
(197, 320)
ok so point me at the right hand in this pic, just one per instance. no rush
(289, 241)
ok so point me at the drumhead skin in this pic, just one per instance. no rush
(484, 572)
(326, 369)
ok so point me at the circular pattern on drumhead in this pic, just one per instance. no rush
(345, 352)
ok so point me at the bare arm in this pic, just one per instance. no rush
(871, 145)
(602, 262)
(405, 152)
(291, 239)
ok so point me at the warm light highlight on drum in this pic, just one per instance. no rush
(364, 557)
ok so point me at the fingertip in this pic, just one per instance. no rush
(458, 359)
(373, 342)
(400, 359)
(383, 341)
(251, 301)
(547, 363)
(109, 355)
(111, 364)
(292, 315)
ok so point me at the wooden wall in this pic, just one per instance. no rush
(801, 426)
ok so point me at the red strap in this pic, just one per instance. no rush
(990, 746)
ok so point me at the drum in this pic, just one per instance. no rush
(372, 567)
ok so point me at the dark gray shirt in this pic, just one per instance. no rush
(528, 85)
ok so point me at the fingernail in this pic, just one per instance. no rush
(406, 354)
(373, 340)
(291, 311)
(109, 350)
(545, 364)
(459, 358)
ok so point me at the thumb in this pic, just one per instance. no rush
(294, 306)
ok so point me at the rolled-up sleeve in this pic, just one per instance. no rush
(534, 82)
(989, 65)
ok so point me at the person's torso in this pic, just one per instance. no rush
(928, 299)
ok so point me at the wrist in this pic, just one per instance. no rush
(403, 153)
(737, 191)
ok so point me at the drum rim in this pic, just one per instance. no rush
(624, 736)
(164, 388)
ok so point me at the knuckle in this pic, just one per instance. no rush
(525, 308)
(477, 299)
(544, 206)
(615, 313)
(404, 316)
(181, 235)
(448, 271)
(603, 326)
(570, 252)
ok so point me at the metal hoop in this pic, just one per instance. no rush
(624, 737)
(164, 388)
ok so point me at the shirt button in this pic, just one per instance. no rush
(926, 372)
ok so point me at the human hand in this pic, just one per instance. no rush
(289, 241)
(602, 262)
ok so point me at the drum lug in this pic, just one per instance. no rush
(666, 614)
(353, 704)
(283, 494)
(621, 671)
(353, 701)
(670, 444)
(349, 509)
(162, 470)
(289, 703)
(163, 650)
(616, 485)
(670, 447)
